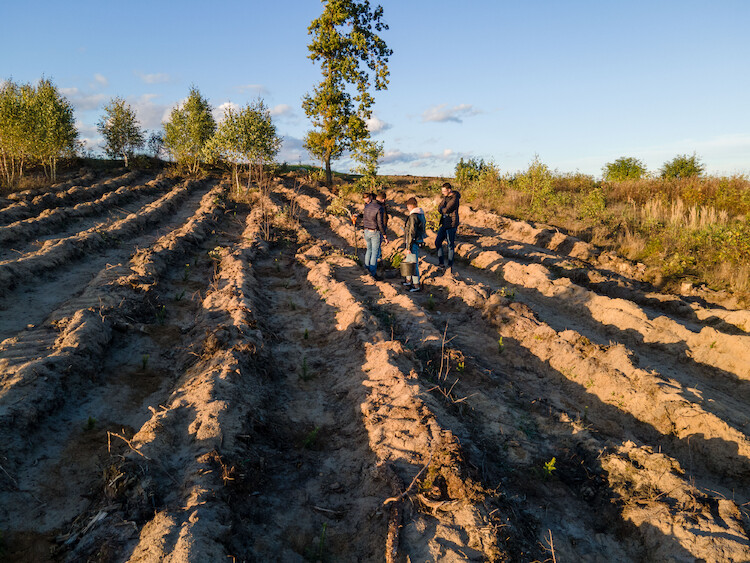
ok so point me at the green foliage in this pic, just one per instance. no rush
(682, 166)
(120, 129)
(592, 204)
(188, 130)
(472, 170)
(345, 41)
(37, 126)
(155, 143)
(624, 168)
(537, 183)
(367, 153)
(245, 136)
(548, 468)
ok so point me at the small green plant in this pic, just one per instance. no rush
(431, 303)
(292, 305)
(508, 292)
(311, 438)
(161, 314)
(215, 254)
(461, 366)
(144, 361)
(186, 273)
(589, 384)
(306, 335)
(396, 259)
(90, 424)
(305, 373)
(548, 468)
(500, 345)
(179, 296)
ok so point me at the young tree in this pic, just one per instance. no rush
(189, 128)
(121, 130)
(624, 168)
(682, 166)
(246, 136)
(155, 143)
(346, 43)
(367, 153)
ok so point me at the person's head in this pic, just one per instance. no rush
(367, 197)
(446, 188)
(411, 203)
(381, 196)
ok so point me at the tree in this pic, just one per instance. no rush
(624, 168)
(155, 143)
(54, 125)
(189, 128)
(121, 130)
(37, 126)
(682, 166)
(246, 136)
(367, 153)
(345, 41)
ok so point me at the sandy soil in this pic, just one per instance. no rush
(180, 383)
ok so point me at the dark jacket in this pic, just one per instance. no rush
(448, 209)
(373, 217)
(414, 230)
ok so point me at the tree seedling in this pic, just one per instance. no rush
(431, 303)
(90, 424)
(311, 438)
(500, 345)
(144, 361)
(161, 314)
(548, 468)
(186, 273)
(306, 335)
(305, 374)
(179, 296)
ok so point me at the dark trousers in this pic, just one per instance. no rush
(442, 235)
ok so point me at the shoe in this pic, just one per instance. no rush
(406, 283)
(441, 267)
(415, 289)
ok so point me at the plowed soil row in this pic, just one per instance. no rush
(197, 393)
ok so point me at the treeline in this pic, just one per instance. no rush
(37, 127)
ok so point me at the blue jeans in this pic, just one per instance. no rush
(372, 241)
(442, 235)
(412, 255)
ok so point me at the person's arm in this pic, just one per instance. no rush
(450, 206)
(380, 219)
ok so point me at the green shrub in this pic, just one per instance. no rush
(624, 168)
(682, 166)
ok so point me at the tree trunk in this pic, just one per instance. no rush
(329, 175)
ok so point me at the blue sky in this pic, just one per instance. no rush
(578, 83)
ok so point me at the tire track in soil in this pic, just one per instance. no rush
(95, 379)
(711, 525)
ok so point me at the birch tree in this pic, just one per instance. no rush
(189, 128)
(120, 128)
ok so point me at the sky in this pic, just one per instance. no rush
(575, 83)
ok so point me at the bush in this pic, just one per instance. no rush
(624, 168)
(472, 170)
(682, 166)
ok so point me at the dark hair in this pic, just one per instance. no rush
(368, 195)
(381, 194)
(447, 186)
(412, 201)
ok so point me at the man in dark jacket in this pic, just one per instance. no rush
(373, 219)
(448, 210)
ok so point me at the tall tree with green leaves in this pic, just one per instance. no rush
(120, 128)
(246, 136)
(189, 128)
(37, 126)
(682, 166)
(624, 168)
(345, 41)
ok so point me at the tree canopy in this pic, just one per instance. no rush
(189, 128)
(37, 126)
(346, 43)
(120, 128)
(682, 166)
(624, 168)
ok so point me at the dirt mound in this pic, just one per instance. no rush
(194, 378)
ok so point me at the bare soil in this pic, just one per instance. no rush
(186, 376)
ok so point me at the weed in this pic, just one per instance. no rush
(508, 292)
(306, 335)
(500, 345)
(589, 383)
(144, 361)
(311, 438)
(292, 305)
(305, 373)
(161, 314)
(461, 366)
(179, 296)
(215, 254)
(186, 273)
(90, 424)
(548, 468)
(713, 344)
(431, 303)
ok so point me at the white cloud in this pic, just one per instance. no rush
(100, 80)
(150, 114)
(377, 125)
(281, 110)
(155, 78)
(442, 113)
(81, 100)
